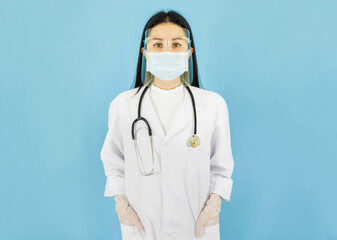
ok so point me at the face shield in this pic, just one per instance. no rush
(179, 45)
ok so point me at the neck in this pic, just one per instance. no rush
(167, 85)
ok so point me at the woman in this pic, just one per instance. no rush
(168, 182)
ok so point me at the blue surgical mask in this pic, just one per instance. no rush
(167, 65)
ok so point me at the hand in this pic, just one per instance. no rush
(126, 214)
(210, 213)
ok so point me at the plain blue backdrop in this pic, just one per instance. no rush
(62, 62)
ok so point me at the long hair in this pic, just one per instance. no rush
(164, 17)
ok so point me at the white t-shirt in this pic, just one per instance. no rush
(166, 103)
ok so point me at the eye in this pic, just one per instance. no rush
(176, 44)
(156, 44)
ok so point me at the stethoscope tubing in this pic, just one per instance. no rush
(146, 122)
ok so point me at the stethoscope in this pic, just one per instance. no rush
(194, 140)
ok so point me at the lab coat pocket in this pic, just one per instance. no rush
(213, 228)
(127, 228)
(204, 135)
(130, 233)
(200, 153)
(212, 232)
(198, 162)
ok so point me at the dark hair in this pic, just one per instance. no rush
(164, 17)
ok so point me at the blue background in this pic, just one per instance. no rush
(62, 62)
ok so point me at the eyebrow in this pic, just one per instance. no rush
(158, 38)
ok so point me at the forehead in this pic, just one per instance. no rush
(167, 30)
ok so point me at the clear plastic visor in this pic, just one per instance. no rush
(172, 44)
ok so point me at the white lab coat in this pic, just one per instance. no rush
(169, 203)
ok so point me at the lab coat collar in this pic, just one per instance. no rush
(182, 118)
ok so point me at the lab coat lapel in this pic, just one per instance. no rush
(182, 118)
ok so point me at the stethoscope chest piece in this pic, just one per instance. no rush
(194, 141)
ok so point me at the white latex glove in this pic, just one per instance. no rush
(210, 213)
(126, 214)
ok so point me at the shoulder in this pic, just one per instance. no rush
(120, 101)
(209, 96)
(123, 97)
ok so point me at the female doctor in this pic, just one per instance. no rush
(167, 153)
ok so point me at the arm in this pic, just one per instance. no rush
(222, 164)
(112, 154)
